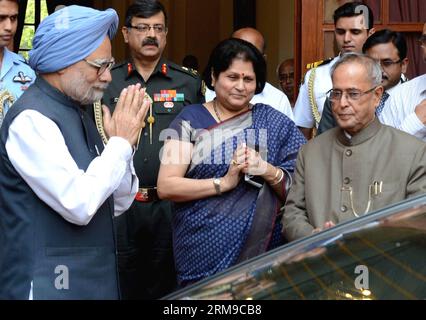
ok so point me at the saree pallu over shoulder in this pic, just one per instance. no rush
(213, 234)
(212, 138)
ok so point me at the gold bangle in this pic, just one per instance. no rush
(276, 174)
(281, 178)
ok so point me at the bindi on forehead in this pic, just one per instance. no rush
(241, 74)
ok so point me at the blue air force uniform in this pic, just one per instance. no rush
(15, 77)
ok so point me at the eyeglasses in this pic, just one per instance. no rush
(145, 28)
(352, 94)
(387, 63)
(422, 41)
(286, 76)
(103, 66)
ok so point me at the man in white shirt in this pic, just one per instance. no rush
(351, 31)
(270, 95)
(60, 186)
(407, 106)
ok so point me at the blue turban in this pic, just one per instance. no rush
(69, 35)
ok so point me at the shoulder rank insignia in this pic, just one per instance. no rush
(22, 78)
(164, 69)
(192, 71)
(318, 63)
(129, 69)
(203, 88)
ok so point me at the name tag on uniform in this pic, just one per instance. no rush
(169, 105)
(168, 102)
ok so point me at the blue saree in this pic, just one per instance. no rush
(212, 234)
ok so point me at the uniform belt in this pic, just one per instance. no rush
(147, 195)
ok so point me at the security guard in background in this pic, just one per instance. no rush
(145, 255)
(15, 76)
(353, 25)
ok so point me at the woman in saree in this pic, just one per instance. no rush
(227, 167)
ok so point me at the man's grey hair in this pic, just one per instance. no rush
(374, 71)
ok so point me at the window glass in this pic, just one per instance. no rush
(30, 13)
(383, 260)
(30, 25)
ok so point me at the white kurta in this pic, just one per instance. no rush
(400, 109)
(37, 150)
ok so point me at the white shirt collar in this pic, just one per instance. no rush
(347, 135)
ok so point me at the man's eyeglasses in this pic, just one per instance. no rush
(387, 63)
(283, 77)
(102, 66)
(352, 94)
(422, 41)
(145, 28)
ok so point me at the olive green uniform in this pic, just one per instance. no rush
(144, 234)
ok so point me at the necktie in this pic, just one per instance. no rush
(379, 109)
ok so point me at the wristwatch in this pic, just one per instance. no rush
(216, 183)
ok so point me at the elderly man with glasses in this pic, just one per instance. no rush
(390, 49)
(146, 264)
(60, 186)
(358, 167)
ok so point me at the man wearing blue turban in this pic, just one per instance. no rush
(60, 186)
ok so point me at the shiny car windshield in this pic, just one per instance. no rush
(382, 258)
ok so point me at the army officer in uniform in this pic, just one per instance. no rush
(146, 266)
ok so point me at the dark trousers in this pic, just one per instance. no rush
(145, 251)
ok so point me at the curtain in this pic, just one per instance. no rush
(403, 11)
(376, 8)
(407, 11)
(416, 65)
